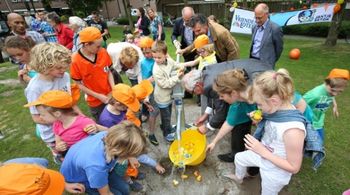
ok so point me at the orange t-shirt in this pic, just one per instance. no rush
(94, 75)
(130, 116)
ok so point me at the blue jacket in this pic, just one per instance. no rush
(313, 142)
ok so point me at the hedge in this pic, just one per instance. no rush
(125, 20)
(316, 30)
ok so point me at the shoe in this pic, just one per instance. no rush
(229, 157)
(135, 186)
(170, 137)
(234, 178)
(140, 176)
(152, 138)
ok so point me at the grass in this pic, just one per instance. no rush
(315, 63)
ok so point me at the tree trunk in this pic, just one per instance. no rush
(105, 1)
(335, 27)
(31, 1)
(127, 7)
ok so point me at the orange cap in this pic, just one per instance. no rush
(201, 41)
(145, 42)
(125, 95)
(30, 179)
(53, 98)
(75, 90)
(132, 172)
(339, 73)
(143, 89)
(89, 34)
(130, 116)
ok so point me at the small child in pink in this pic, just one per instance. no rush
(69, 127)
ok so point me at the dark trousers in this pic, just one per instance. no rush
(96, 111)
(220, 112)
(165, 118)
(117, 185)
(116, 76)
(133, 82)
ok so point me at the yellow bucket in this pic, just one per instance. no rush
(190, 150)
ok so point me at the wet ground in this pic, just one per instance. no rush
(211, 169)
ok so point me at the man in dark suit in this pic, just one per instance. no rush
(182, 29)
(267, 37)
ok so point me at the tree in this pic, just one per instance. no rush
(47, 5)
(127, 8)
(86, 6)
(335, 27)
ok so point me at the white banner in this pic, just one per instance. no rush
(243, 20)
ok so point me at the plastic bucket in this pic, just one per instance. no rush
(190, 150)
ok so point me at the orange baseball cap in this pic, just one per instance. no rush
(339, 73)
(30, 179)
(53, 98)
(143, 89)
(146, 42)
(89, 34)
(201, 41)
(125, 95)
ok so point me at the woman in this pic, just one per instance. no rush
(64, 34)
(156, 25)
(143, 22)
(76, 24)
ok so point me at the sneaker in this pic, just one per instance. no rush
(140, 176)
(170, 137)
(152, 138)
(135, 186)
(229, 157)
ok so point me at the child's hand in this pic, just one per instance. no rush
(210, 147)
(103, 98)
(160, 169)
(251, 143)
(180, 72)
(134, 162)
(74, 188)
(151, 79)
(61, 146)
(335, 111)
(150, 108)
(202, 129)
(22, 72)
(91, 129)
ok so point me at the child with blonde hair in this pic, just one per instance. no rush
(280, 152)
(69, 127)
(166, 74)
(92, 160)
(130, 38)
(50, 61)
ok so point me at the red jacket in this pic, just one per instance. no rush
(64, 35)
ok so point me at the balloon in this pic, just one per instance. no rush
(340, 2)
(235, 4)
(294, 54)
(336, 8)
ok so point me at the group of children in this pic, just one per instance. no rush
(89, 149)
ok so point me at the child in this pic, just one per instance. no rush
(166, 74)
(146, 72)
(126, 31)
(19, 49)
(232, 87)
(280, 152)
(50, 61)
(90, 161)
(55, 106)
(130, 38)
(90, 69)
(322, 96)
(123, 98)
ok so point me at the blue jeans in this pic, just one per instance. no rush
(321, 133)
(28, 160)
(117, 185)
(165, 118)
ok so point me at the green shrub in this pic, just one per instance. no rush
(64, 18)
(80, 14)
(316, 30)
(125, 20)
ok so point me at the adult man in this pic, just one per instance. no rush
(267, 37)
(182, 29)
(226, 46)
(101, 25)
(40, 25)
(18, 28)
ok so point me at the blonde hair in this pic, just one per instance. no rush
(271, 83)
(46, 56)
(124, 140)
(129, 56)
(209, 48)
(159, 47)
(336, 82)
(231, 80)
(130, 36)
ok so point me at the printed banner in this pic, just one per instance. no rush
(243, 20)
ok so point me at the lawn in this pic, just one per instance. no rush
(316, 61)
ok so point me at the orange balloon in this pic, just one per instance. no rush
(336, 8)
(294, 54)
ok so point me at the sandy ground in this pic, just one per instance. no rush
(211, 169)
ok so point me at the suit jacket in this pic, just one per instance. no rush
(226, 46)
(179, 30)
(271, 44)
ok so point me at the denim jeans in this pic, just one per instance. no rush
(165, 118)
(29, 160)
(117, 185)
